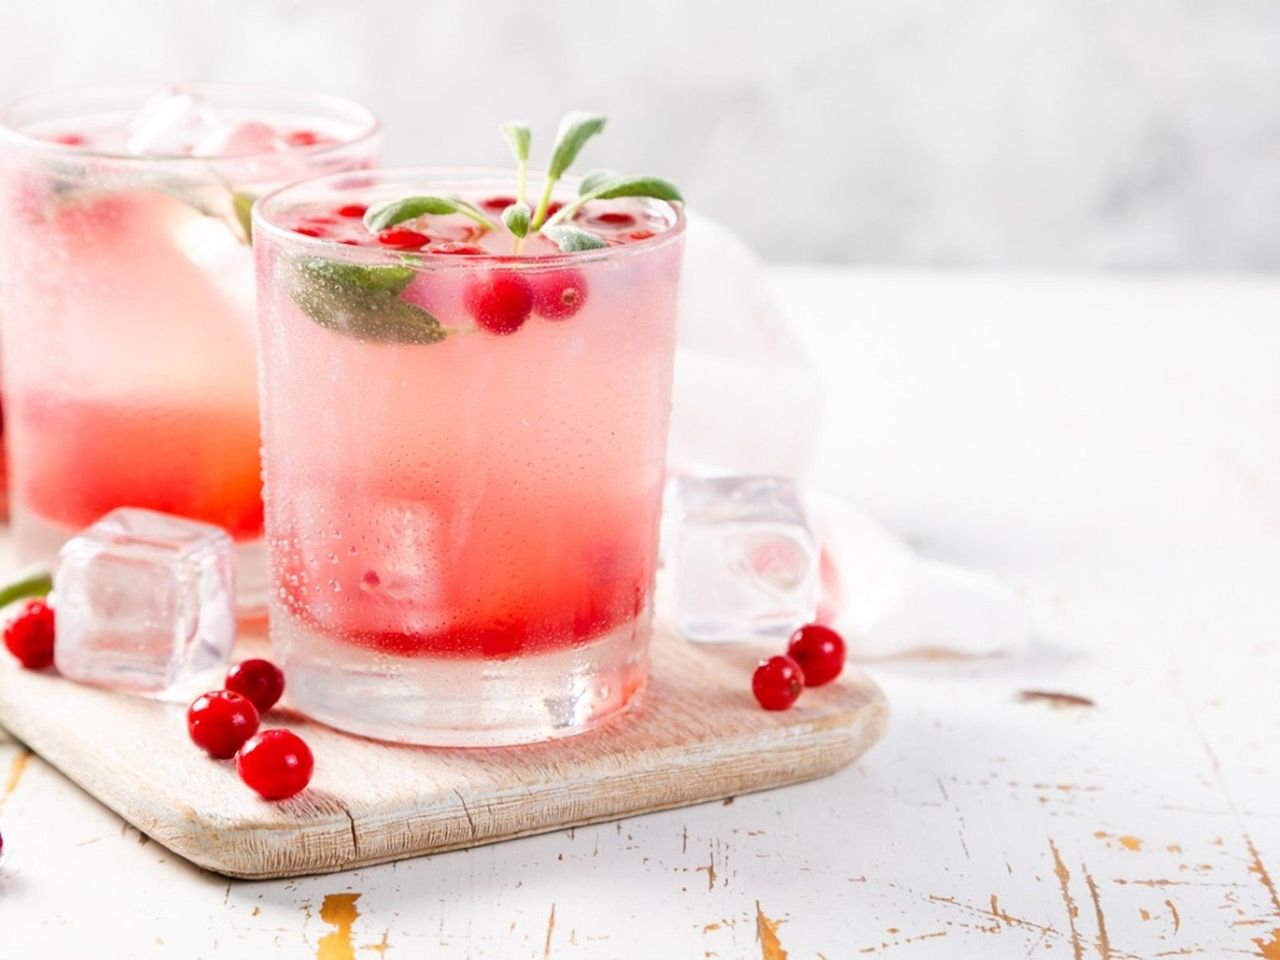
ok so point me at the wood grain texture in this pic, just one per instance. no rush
(696, 735)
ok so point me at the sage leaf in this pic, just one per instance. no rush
(596, 178)
(575, 130)
(362, 302)
(388, 214)
(572, 239)
(654, 187)
(518, 137)
(517, 217)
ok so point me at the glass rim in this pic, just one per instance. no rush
(425, 174)
(368, 125)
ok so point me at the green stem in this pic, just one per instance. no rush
(522, 170)
(543, 203)
(33, 585)
(568, 210)
(477, 216)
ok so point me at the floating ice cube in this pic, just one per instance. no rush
(172, 121)
(146, 604)
(241, 139)
(742, 561)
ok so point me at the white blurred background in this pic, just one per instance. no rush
(1022, 133)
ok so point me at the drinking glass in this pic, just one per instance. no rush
(128, 298)
(462, 504)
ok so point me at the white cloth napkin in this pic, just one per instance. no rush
(746, 402)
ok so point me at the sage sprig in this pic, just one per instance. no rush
(522, 218)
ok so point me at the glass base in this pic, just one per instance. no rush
(37, 541)
(455, 702)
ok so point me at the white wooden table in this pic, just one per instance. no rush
(1112, 446)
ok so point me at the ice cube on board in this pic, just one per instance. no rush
(741, 558)
(145, 603)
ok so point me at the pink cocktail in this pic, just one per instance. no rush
(464, 443)
(128, 312)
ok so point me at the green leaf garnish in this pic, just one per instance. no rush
(595, 179)
(362, 302)
(242, 204)
(383, 215)
(615, 187)
(517, 217)
(572, 239)
(519, 136)
(576, 128)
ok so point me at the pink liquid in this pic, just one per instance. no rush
(484, 496)
(130, 354)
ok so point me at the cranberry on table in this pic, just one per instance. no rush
(559, 295)
(820, 652)
(219, 722)
(403, 239)
(29, 637)
(276, 763)
(261, 682)
(500, 301)
(777, 682)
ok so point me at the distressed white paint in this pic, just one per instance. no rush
(1108, 445)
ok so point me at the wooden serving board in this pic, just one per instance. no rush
(696, 735)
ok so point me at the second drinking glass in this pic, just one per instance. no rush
(128, 311)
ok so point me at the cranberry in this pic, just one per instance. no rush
(353, 210)
(311, 231)
(69, 139)
(261, 682)
(30, 636)
(276, 763)
(497, 204)
(820, 652)
(613, 219)
(460, 249)
(302, 138)
(553, 208)
(500, 301)
(220, 721)
(350, 243)
(403, 239)
(641, 235)
(559, 295)
(777, 682)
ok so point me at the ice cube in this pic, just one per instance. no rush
(146, 604)
(241, 139)
(172, 121)
(741, 558)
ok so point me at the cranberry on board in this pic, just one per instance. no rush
(560, 294)
(820, 652)
(500, 301)
(219, 722)
(29, 637)
(276, 763)
(260, 681)
(777, 682)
